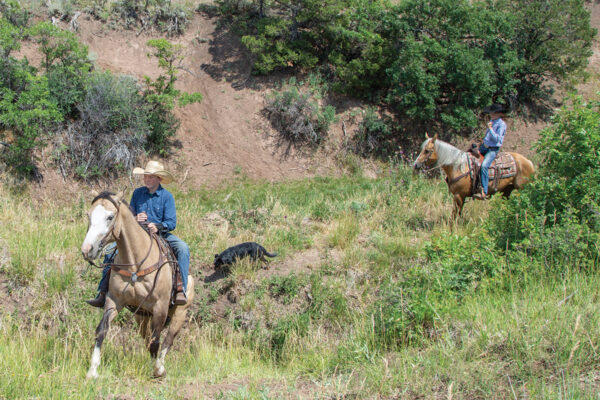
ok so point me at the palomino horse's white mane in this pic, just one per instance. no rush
(448, 154)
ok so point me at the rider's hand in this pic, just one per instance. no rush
(152, 228)
(141, 217)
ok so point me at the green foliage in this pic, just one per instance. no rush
(356, 34)
(298, 117)
(29, 114)
(274, 49)
(557, 216)
(441, 73)
(374, 135)
(109, 136)
(407, 308)
(65, 63)
(11, 11)
(552, 40)
(436, 62)
(161, 96)
(284, 287)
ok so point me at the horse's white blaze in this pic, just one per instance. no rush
(100, 225)
(92, 372)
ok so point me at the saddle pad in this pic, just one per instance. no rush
(505, 165)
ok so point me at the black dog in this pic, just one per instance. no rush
(232, 254)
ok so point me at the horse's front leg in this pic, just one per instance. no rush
(459, 202)
(110, 312)
(159, 317)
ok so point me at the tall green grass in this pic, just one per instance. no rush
(380, 313)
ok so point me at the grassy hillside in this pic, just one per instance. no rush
(359, 302)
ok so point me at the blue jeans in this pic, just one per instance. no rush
(489, 154)
(180, 248)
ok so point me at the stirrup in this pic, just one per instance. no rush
(480, 196)
(180, 299)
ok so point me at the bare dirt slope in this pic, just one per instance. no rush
(224, 135)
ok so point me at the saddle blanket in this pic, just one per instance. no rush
(504, 165)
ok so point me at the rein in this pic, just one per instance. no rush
(468, 173)
(119, 268)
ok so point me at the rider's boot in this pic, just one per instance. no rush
(98, 301)
(480, 195)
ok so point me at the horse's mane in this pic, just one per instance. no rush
(108, 196)
(448, 154)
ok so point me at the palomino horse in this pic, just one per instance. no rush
(141, 278)
(455, 163)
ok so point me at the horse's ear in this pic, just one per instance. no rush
(434, 138)
(426, 135)
(120, 195)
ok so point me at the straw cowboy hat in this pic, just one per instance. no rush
(154, 168)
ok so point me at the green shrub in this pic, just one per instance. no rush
(557, 216)
(374, 135)
(298, 117)
(11, 11)
(276, 48)
(551, 39)
(29, 114)
(65, 62)
(436, 61)
(111, 132)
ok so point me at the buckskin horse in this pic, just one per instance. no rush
(461, 172)
(141, 278)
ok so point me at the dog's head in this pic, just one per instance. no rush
(218, 261)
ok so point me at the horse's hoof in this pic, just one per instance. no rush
(92, 375)
(159, 373)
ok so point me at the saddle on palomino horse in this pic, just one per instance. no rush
(167, 250)
(503, 166)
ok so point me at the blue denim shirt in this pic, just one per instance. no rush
(495, 136)
(159, 206)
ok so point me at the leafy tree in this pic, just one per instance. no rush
(441, 73)
(359, 49)
(65, 63)
(161, 95)
(28, 114)
(434, 62)
(552, 40)
(27, 111)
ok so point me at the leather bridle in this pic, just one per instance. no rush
(120, 268)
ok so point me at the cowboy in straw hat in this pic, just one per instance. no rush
(154, 168)
(154, 205)
(494, 137)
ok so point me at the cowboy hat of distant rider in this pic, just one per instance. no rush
(494, 108)
(154, 168)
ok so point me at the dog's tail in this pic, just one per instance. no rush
(270, 254)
